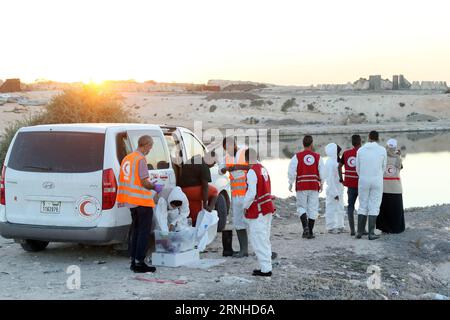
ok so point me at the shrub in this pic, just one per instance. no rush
(242, 105)
(288, 104)
(212, 108)
(88, 104)
(310, 106)
(256, 103)
(402, 104)
(269, 102)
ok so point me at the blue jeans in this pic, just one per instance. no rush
(140, 232)
(352, 196)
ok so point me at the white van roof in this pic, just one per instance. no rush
(90, 127)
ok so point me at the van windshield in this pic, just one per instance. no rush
(66, 152)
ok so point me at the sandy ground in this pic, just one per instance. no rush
(414, 265)
(339, 111)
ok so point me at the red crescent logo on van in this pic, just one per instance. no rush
(88, 207)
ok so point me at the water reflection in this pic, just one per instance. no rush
(426, 161)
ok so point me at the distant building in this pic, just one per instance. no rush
(10, 85)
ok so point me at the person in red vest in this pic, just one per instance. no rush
(259, 209)
(350, 180)
(306, 169)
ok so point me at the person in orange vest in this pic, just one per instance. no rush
(234, 163)
(306, 169)
(259, 209)
(350, 180)
(136, 192)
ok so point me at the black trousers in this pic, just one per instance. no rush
(140, 232)
(352, 195)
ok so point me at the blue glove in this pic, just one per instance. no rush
(158, 187)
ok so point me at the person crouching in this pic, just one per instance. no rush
(259, 208)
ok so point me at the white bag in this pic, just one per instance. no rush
(206, 228)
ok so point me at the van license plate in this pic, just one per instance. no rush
(51, 207)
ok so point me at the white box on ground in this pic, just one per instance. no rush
(175, 259)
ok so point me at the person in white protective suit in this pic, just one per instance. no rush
(234, 163)
(172, 210)
(370, 166)
(334, 207)
(259, 209)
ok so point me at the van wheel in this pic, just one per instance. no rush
(222, 212)
(34, 245)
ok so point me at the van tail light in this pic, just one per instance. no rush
(3, 187)
(109, 189)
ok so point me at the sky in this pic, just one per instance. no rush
(273, 41)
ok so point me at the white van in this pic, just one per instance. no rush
(59, 182)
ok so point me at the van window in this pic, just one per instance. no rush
(158, 157)
(192, 145)
(57, 151)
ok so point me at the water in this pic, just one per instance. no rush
(426, 162)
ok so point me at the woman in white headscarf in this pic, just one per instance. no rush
(391, 218)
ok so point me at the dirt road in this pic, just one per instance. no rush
(414, 265)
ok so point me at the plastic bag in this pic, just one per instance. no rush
(175, 242)
(206, 228)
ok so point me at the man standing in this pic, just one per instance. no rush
(259, 209)
(234, 163)
(136, 192)
(370, 166)
(348, 161)
(306, 169)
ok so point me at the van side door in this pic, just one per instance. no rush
(158, 159)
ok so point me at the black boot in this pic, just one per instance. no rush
(243, 244)
(311, 227)
(351, 223)
(361, 225)
(141, 267)
(304, 220)
(227, 243)
(372, 223)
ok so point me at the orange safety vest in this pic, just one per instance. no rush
(130, 189)
(238, 179)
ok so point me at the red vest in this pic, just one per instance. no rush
(308, 171)
(263, 200)
(350, 175)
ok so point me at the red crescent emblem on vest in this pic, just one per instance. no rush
(309, 160)
(390, 170)
(126, 168)
(351, 162)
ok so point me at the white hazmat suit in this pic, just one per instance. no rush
(370, 166)
(259, 228)
(166, 215)
(334, 209)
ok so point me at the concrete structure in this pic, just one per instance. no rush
(375, 82)
(403, 83)
(395, 82)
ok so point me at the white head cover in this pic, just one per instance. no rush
(392, 143)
